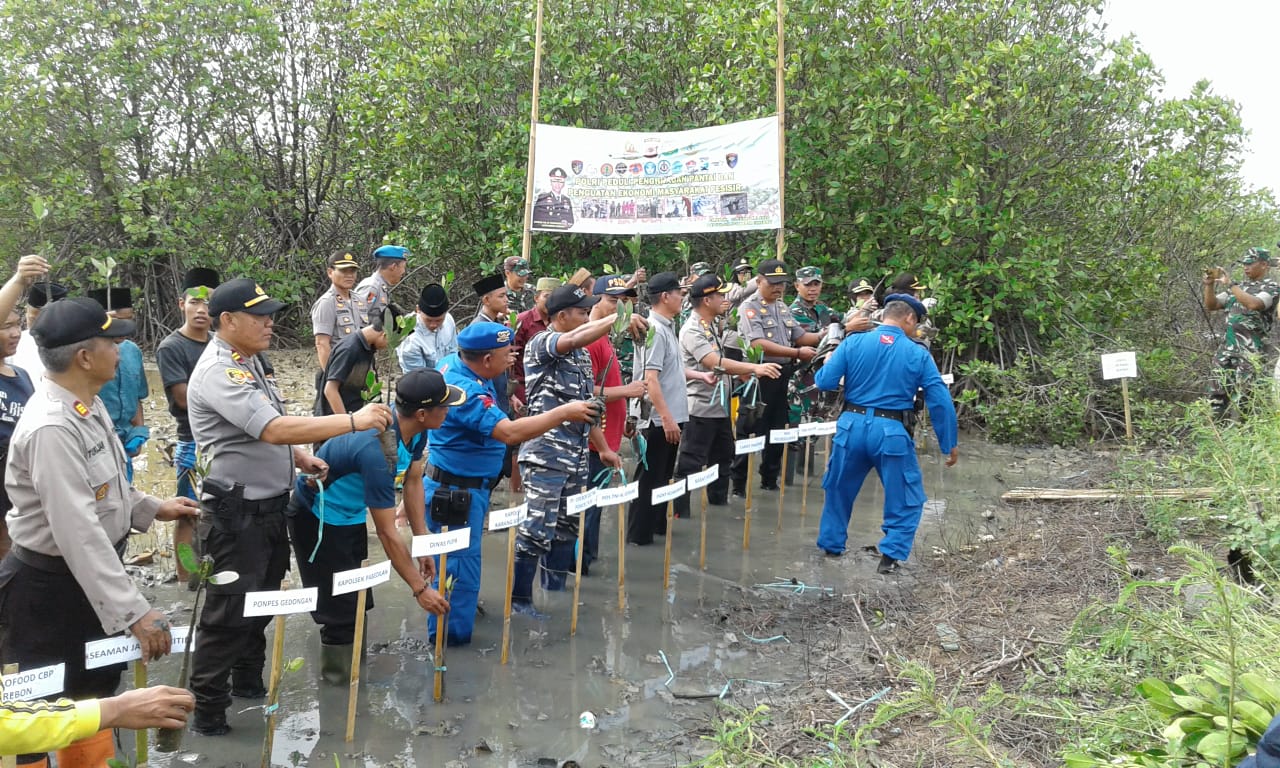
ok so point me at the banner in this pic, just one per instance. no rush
(716, 179)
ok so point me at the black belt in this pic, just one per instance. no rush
(53, 563)
(232, 505)
(448, 478)
(898, 416)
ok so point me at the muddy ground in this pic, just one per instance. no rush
(776, 624)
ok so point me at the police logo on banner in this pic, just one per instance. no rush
(731, 159)
(576, 167)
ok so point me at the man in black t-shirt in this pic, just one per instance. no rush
(176, 357)
(346, 374)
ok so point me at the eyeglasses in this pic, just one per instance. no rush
(199, 292)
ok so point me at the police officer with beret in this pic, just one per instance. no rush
(765, 323)
(467, 455)
(328, 532)
(390, 262)
(239, 422)
(882, 371)
(62, 583)
(553, 210)
(340, 311)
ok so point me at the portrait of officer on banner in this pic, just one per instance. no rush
(553, 210)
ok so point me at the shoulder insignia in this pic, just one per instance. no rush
(886, 338)
(239, 376)
(81, 409)
(236, 356)
(100, 492)
(751, 313)
(486, 401)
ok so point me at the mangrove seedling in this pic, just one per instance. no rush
(106, 268)
(397, 330)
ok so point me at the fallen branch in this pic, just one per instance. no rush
(1106, 494)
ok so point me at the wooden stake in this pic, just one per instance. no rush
(781, 97)
(442, 625)
(354, 693)
(8, 761)
(511, 580)
(782, 484)
(666, 557)
(746, 521)
(577, 571)
(702, 546)
(1124, 393)
(526, 243)
(804, 492)
(622, 556)
(273, 690)
(140, 682)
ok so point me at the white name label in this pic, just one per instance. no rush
(118, 650)
(281, 602)
(581, 502)
(748, 445)
(825, 427)
(507, 518)
(948, 379)
(607, 497)
(668, 492)
(704, 478)
(361, 578)
(34, 683)
(1120, 365)
(777, 436)
(440, 543)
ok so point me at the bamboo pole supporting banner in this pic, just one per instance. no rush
(506, 608)
(526, 241)
(702, 545)
(809, 448)
(746, 519)
(782, 483)
(442, 626)
(666, 555)
(353, 693)
(577, 572)
(622, 557)
(1128, 423)
(139, 682)
(781, 96)
(273, 688)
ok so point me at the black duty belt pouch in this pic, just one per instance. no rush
(451, 507)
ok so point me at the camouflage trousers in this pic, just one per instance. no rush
(1234, 373)
(546, 489)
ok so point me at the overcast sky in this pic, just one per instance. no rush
(1233, 43)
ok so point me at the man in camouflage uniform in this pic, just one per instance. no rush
(1250, 306)
(808, 311)
(519, 295)
(554, 465)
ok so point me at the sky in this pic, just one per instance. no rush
(1233, 43)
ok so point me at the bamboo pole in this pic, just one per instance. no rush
(702, 546)
(140, 682)
(354, 692)
(1128, 424)
(746, 520)
(511, 579)
(1110, 494)
(622, 556)
(577, 571)
(782, 484)
(273, 691)
(809, 448)
(526, 241)
(442, 626)
(781, 96)
(666, 556)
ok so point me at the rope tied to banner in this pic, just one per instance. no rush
(320, 502)
(605, 476)
(750, 393)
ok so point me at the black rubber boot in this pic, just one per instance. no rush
(210, 723)
(558, 564)
(522, 588)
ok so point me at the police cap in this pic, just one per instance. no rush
(910, 301)
(484, 336)
(613, 285)
(71, 321)
(906, 281)
(741, 265)
(663, 282)
(242, 295)
(391, 252)
(774, 271)
(426, 388)
(707, 285)
(862, 286)
(343, 260)
(569, 297)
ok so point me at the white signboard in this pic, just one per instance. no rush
(440, 543)
(668, 492)
(1120, 365)
(704, 478)
(34, 683)
(716, 179)
(778, 436)
(948, 379)
(607, 497)
(118, 650)
(748, 445)
(361, 578)
(580, 502)
(506, 518)
(280, 602)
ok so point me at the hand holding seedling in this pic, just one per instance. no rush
(152, 631)
(159, 706)
(373, 416)
(31, 268)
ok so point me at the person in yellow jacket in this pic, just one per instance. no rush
(43, 726)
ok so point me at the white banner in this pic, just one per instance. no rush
(507, 518)
(1120, 365)
(280, 602)
(440, 543)
(704, 478)
(748, 445)
(34, 683)
(716, 179)
(667, 492)
(580, 502)
(779, 436)
(607, 497)
(118, 650)
(361, 578)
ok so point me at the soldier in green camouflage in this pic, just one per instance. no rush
(1250, 305)
(807, 309)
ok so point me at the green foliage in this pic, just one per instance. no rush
(294, 664)
(372, 388)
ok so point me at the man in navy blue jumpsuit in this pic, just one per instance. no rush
(881, 371)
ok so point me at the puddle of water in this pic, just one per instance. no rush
(528, 710)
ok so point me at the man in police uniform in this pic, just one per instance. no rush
(516, 278)
(238, 420)
(863, 295)
(765, 323)
(881, 372)
(339, 312)
(708, 437)
(1250, 305)
(62, 583)
(554, 465)
(389, 267)
(553, 210)
(466, 453)
(743, 286)
(329, 535)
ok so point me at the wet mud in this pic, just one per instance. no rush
(650, 670)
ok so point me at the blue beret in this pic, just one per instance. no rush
(390, 252)
(484, 336)
(910, 300)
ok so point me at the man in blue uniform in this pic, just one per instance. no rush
(467, 452)
(328, 532)
(881, 371)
